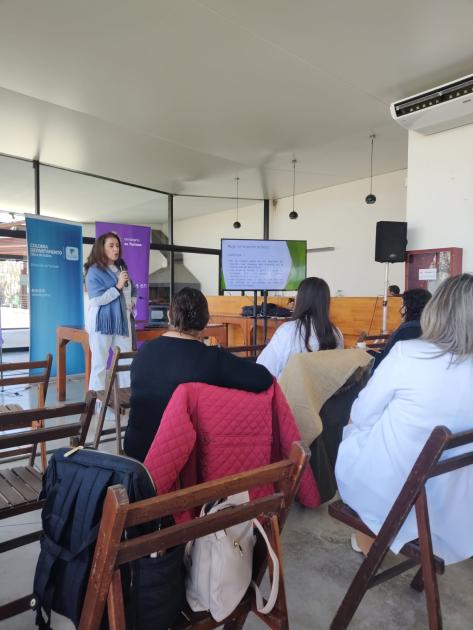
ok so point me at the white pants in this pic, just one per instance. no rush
(99, 347)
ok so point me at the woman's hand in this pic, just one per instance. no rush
(122, 280)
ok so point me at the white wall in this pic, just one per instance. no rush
(440, 191)
(206, 231)
(339, 217)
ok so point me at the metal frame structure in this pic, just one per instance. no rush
(170, 247)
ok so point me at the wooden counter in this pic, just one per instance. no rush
(351, 314)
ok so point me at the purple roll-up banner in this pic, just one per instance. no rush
(135, 252)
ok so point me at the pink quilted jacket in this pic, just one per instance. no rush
(207, 432)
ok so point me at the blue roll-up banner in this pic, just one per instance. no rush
(56, 293)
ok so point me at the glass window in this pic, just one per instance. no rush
(86, 199)
(16, 189)
(16, 198)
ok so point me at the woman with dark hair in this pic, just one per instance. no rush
(310, 329)
(111, 299)
(178, 357)
(414, 302)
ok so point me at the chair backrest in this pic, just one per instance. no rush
(375, 342)
(195, 415)
(14, 420)
(112, 397)
(450, 441)
(413, 492)
(118, 515)
(335, 414)
(19, 374)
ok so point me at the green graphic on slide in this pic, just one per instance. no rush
(297, 250)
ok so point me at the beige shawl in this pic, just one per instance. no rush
(311, 378)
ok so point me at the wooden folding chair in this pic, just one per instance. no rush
(20, 486)
(114, 396)
(19, 374)
(375, 342)
(417, 552)
(112, 551)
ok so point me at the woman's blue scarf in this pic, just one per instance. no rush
(111, 317)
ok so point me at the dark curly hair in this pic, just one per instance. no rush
(189, 310)
(414, 302)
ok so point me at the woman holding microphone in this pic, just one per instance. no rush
(111, 299)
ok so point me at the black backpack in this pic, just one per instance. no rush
(74, 487)
(271, 310)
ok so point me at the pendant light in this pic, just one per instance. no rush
(293, 214)
(371, 198)
(237, 224)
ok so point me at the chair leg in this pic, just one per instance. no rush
(118, 431)
(33, 455)
(359, 585)
(44, 458)
(280, 607)
(116, 408)
(115, 605)
(100, 423)
(417, 582)
(39, 424)
(429, 575)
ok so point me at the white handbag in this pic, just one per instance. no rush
(219, 566)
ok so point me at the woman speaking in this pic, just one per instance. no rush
(111, 299)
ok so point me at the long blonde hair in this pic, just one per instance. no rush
(447, 319)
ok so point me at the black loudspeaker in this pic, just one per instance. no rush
(391, 241)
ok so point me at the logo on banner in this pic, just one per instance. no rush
(72, 253)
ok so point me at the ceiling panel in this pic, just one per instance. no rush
(184, 95)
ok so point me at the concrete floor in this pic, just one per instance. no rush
(318, 563)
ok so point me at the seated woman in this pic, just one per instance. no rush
(178, 357)
(413, 303)
(422, 383)
(310, 330)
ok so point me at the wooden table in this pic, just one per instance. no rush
(246, 325)
(351, 315)
(243, 323)
(66, 334)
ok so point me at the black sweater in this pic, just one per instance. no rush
(407, 330)
(163, 364)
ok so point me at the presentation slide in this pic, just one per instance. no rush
(257, 265)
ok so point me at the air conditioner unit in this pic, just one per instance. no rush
(438, 109)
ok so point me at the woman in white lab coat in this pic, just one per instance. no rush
(422, 383)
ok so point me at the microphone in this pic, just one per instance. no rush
(121, 265)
